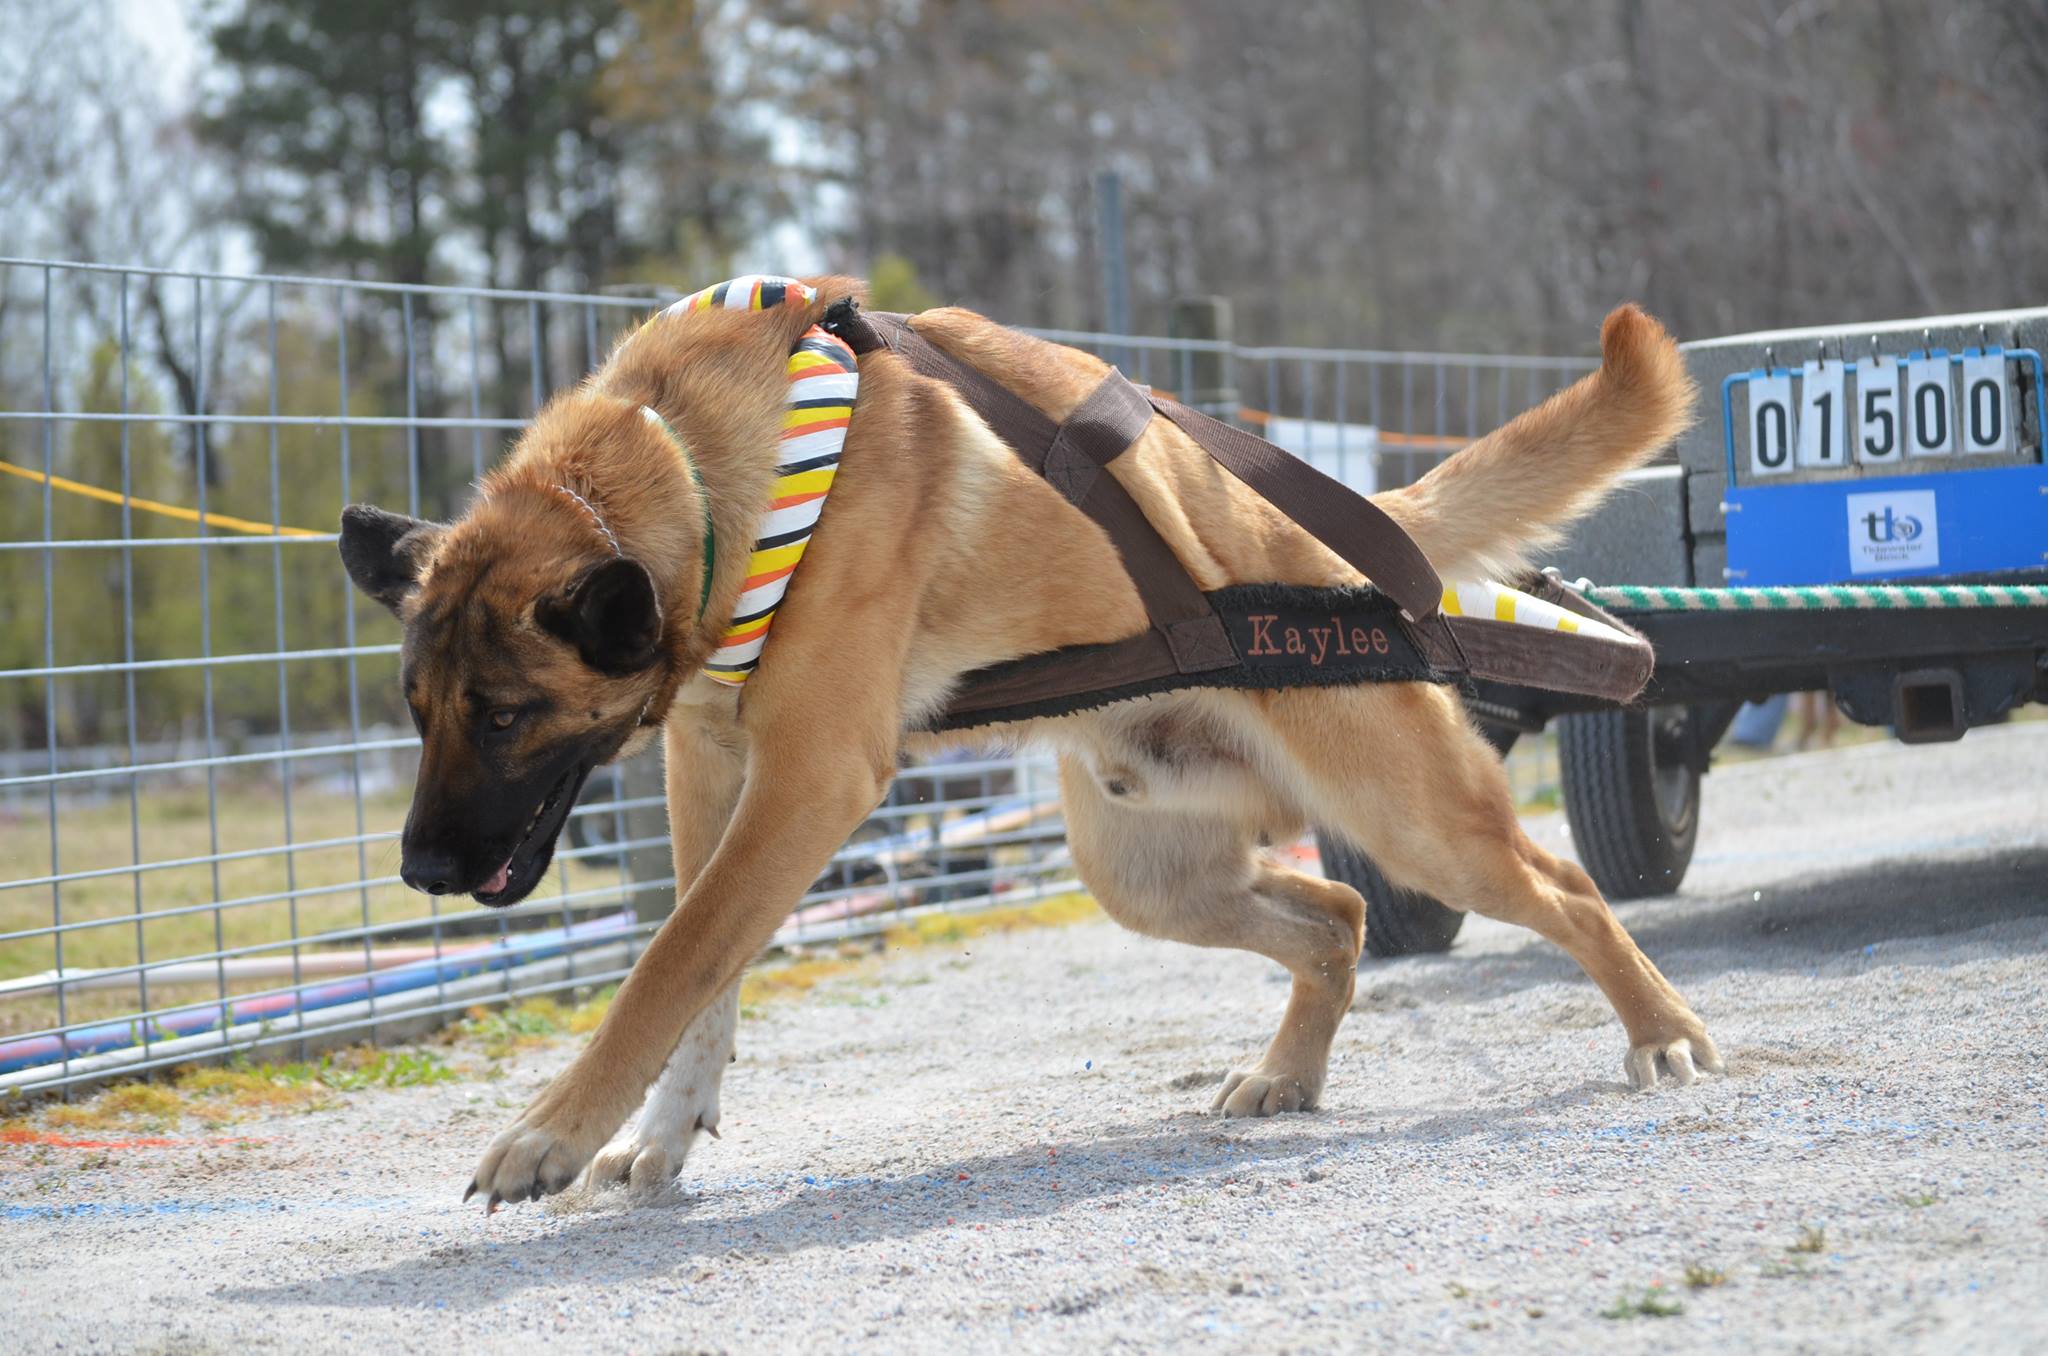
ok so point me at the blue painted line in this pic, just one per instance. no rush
(145, 1209)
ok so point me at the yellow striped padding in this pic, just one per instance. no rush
(1485, 598)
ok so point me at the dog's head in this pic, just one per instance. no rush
(537, 643)
(531, 652)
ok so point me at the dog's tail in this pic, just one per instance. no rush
(1521, 485)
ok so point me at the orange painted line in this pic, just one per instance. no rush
(755, 581)
(792, 500)
(819, 427)
(56, 1141)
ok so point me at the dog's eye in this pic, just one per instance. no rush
(504, 718)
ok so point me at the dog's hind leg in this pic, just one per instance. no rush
(1397, 770)
(1197, 878)
(704, 770)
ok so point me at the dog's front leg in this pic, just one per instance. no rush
(800, 802)
(703, 748)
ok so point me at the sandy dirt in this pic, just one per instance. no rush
(1004, 1144)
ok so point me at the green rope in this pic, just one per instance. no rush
(1811, 598)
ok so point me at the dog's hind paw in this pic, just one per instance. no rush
(1674, 1061)
(1253, 1092)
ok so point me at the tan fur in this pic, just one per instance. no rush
(939, 553)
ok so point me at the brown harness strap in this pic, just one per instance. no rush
(1186, 635)
(1339, 517)
(1189, 641)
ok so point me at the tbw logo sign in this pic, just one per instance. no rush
(1893, 533)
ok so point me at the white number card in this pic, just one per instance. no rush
(1820, 415)
(1879, 437)
(1770, 425)
(1986, 426)
(1927, 408)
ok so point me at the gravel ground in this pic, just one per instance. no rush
(1003, 1143)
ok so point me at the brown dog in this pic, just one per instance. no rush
(558, 624)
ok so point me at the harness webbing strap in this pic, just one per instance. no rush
(1186, 636)
(1265, 636)
(1095, 434)
(1354, 527)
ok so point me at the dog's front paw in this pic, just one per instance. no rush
(539, 1155)
(1675, 1059)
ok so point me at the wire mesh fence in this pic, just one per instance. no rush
(203, 756)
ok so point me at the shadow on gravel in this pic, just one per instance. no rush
(1788, 926)
(1835, 912)
(1794, 926)
(612, 1241)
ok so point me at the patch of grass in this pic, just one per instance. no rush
(1699, 1276)
(535, 1021)
(1792, 1267)
(119, 1107)
(217, 1093)
(585, 1016)
(1651, 1303)
(1810, 1240)
(792, 978)
(938, 929)
(501, 1031)
(234, 1087)
(395, 1068)
(1919, 1200)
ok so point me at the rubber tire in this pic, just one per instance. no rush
(1629, 842)
(1397, 922)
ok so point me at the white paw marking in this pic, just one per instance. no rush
(683, 1102)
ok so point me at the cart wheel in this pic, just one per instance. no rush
(1631, 797)
(1397, 922)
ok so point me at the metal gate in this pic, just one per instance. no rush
(203, 756)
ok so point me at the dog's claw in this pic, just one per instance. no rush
(471, 1192)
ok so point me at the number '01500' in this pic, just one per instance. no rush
(1877, 411)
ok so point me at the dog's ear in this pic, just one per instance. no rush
(383, 551)
(610, 614)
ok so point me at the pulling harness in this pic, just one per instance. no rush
(1404, 627)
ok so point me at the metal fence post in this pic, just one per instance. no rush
(1208, 369)
(644, 778)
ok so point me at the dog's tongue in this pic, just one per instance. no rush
(501, 880)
